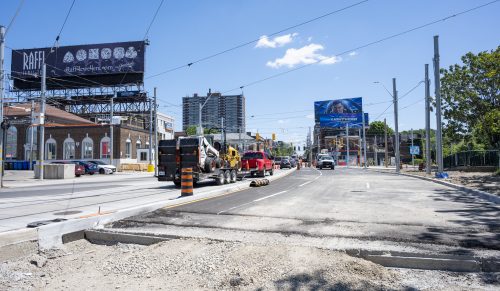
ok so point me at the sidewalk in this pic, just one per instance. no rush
(482, 181)
(20, 179)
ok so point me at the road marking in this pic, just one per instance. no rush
(234, 207)
(305, 183)
(260, 199)
(367, 185)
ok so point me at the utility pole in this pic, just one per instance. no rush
(111, 134)
(2, 49)
(150, 151)
(428, 158)
(156, 131)
(437, 84)
(375, 149)
(364, 139)
(412, 156)
(347, 142)
(32, 132)
(386, 147)
(310, 147)
(396, 131)
(41, 145)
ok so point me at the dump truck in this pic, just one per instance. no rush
(208, 160)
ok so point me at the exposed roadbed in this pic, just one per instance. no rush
(201, 264)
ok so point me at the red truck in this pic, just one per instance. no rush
(257, 163)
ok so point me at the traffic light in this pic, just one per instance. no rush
(274, 136)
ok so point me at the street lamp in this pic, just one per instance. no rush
(388, 92)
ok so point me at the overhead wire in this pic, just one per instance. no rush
(364, 45)
(14, 17)
(256, 40)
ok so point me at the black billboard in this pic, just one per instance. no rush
(79, 66)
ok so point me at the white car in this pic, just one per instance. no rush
(103, 167)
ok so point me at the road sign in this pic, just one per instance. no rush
(414, 150)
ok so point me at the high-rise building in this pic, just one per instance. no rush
(229, 107)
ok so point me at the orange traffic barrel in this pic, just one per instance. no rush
(187, 182)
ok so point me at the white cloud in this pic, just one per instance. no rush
(353, 53)
(278, 41)
(281, 121)
(310, 116)
(309, 39)
(304, 55)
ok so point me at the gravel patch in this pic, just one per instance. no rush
(201, 264)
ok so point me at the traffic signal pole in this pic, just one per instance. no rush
(396, 131)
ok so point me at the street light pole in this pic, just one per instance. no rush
(347, 142)
(156, 132)
(396, 131)
(42, 120)
(428, 158)
(200, 125)
(2, 48)
(111, 133)
(437, 84)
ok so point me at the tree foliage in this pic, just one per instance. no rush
(470, 94)
(377, 127)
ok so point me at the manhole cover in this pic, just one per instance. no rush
(67, 212)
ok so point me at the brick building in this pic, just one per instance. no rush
(68, 136)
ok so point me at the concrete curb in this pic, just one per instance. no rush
(50, 236)
(443, 262)
(481, 194)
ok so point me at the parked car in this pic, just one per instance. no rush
(326, 162)
(277, 160)
(285, 163)
(257, 163)
(79, 169)
(90, 168)
(293, 162)
(102, 166)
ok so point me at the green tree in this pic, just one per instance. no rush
(377, 127)
(191, 130)
(470, 94)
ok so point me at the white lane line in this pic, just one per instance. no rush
(367, 185)
(260, 199)
(305, 183)
(234, 207)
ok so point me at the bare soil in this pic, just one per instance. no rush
(487, 182)
(200, 264)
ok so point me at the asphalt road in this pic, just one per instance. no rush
(344, 203)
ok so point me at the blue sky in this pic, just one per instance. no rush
(188, 30)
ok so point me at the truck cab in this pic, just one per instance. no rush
(257, 163)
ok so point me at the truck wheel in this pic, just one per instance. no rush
(272, 171)
(177, 183)
(227, 177)
(210, 165)
(220, 179)
(233, 176)
(262, 173)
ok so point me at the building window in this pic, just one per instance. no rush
(105, 149)
(87, 148)
(50, 149)
(69, 149)
(128, 148)
(143, 157)
(11, 143)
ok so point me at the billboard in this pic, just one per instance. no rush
(79, 66)
(336, 113)
(339, 120)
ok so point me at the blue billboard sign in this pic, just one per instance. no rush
(340, 106)
(338, 113)
(340, 120)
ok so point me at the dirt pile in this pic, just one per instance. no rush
(192, 264)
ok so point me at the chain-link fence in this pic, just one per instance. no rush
(473, 159)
